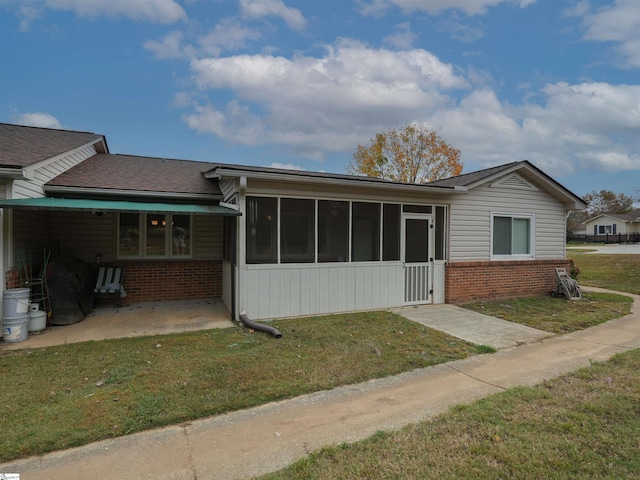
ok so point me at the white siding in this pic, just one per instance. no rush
(39, 175)
(292, 290)
(227, 187)
(470, 217)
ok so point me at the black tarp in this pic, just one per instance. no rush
(71, 282)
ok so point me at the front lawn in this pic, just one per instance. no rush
(60, 397)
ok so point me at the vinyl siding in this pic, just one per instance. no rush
(227, 187)
(470, 214)
(46, 171)
(83, 235)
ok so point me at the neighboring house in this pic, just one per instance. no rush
(613, 224)
(278, 243)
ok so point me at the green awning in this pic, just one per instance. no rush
(88, 205)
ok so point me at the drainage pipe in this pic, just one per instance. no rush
(259, 326)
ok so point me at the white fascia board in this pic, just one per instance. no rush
(324, 181)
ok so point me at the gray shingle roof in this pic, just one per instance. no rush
(138, 174)
(467, 179)
(22, 146)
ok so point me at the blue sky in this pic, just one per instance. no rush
(301, 83)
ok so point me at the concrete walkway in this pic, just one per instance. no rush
(263, 439)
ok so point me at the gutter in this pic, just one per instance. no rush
(328, 180)
(129, 193)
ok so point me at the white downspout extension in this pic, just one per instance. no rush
(241, 241)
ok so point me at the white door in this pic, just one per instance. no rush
(417, 256)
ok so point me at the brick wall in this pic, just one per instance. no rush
(473, 281)
(170, 280)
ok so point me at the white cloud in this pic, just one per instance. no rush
(157, 11)
(590, 125)
(38, 119)
(618, 23)
(227, 35)
(402, 38)
(170, 47)
(262, 8)
(320, 104)
(433, 7)
(286, 166)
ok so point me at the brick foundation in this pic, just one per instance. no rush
(151, 281)
(474, 281)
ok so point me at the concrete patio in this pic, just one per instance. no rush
(138, 319)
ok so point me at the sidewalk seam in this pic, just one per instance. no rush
(500, 387)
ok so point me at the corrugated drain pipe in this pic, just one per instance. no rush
(259, 326)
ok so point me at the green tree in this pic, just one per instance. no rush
(413, 154)
(606, 201)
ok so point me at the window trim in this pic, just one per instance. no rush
(142, 239)
(532, 237)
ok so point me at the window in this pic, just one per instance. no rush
(154, 235)
(605, 229)
(512, 236)
(390, 232)
(333, 231)
(262, 216)
(129, 235)
(365, 232)
(297, 230)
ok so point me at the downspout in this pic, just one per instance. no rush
(259, 326)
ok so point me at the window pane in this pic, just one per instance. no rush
(297, 230)
(129, 235)
(156, 235)
(181, 235)
(333, 231)
(521, 236)
(261, 229)
(365, 232)
(416, 240)
(440, 233)
(502, 235)
(391, 232)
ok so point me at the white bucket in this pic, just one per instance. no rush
(15, 302)
(37, 320)
(15, 329)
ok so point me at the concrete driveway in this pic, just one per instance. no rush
(608, 249)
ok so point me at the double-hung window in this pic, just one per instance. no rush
(512, 236)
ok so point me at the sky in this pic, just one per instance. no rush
(301, 83)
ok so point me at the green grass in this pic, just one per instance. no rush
(614, 272)
(582, 425)
(60, 397)
(558, 315)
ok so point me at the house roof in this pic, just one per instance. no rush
(629, 217)
(468, 179)
(319, 178)
(112, 174)
(22, 146)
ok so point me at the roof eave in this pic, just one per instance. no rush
(55, 189)
(14, 173)
(301, 178)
